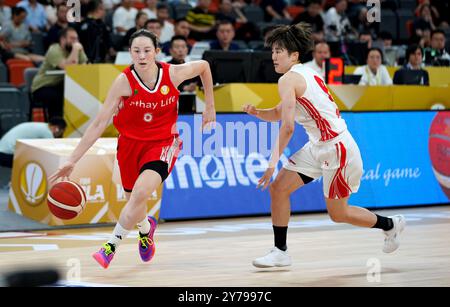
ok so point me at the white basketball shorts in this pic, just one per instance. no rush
(337, 160)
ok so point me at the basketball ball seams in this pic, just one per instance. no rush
(57, 191)
(66, 200)
(56, 203)
(81, 191)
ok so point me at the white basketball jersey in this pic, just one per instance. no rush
(316, 110)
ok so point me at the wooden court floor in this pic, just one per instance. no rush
(219, 253)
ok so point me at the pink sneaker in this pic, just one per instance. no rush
(146, 244)
(104, 255)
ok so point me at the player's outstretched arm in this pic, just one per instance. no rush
(118, 89)
(268, 115)
(289, 86)
(180, 73)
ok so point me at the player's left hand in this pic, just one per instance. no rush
(209, 117)
(264, 181)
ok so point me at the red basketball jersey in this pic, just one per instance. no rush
(149, 114)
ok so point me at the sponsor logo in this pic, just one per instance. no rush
(148, 117)
(231, 169)
(33, 183)
(164, 90)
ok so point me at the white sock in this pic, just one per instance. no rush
(144, 226)
(118, 235)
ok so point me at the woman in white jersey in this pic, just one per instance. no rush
(331, 151)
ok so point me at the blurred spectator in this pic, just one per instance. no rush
(181, 29)
(49, 89)
(178, 52)
(274, 9)
(150, 8)
(230, 12)
(436, 55)
(414, 58)
(312, 16)
(61, 23)
(386, 38)
(16, 35)
(154, 26)
(337, 24)
(5, 13)
(433, 11)
(162, 14)
(51, 10)
(424, 21)
(374, 73)
(225, 35)
(36, 16)
(124, 17)
(110, 5)
(94, 34)
(362, 24)
(141, 19)
(33, 130)
(201, 21)
(5, 54)
(320, 54)
(366, 37)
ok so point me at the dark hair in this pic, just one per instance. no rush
(411, 50)
(385, 35)
(145, 33)
(176, 38)
(153, 20)
(365, 32)
(58, 121)
(161, 6)
(294, 38)
(138, 15)
(222, 22)
(375, 49)
(178, 20)
(93, 5)
(437, 31)
(311, 2)
(63, 32)
(17, 10)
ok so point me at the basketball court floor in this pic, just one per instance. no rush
(219, 253)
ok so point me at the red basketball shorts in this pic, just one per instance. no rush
(134, 155)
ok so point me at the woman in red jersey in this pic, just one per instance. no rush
(144, 102)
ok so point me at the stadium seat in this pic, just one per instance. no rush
(409, 5)
(253, 13)
(181, 10)
(295, 10)
(38, 46)
(29, 75)
(389, 23)
(11, 108)
(404, 16)
(16, 70)
(3, 73)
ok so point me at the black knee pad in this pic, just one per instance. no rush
(161, 167)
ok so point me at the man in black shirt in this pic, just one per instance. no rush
(95, 35)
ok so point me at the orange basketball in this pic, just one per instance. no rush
(66, 200)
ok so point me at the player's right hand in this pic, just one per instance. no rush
(250, 109)
(63, 172)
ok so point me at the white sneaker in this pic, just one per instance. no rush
(276, 257)
(391, 241)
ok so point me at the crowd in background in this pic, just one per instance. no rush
(411, 34)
